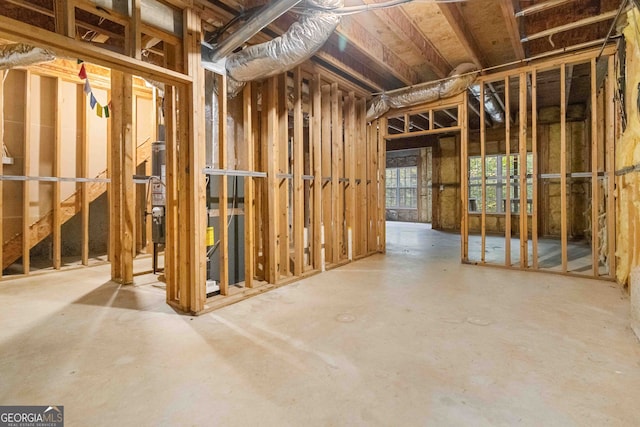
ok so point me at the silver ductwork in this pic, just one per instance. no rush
(459, 79)
(20, 54)
(281, 54)
(491, 105)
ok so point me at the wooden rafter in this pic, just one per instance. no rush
(572, 25)
(359, 36)
(536, 8)
(406, 29)
(508, 12)
(451, 11)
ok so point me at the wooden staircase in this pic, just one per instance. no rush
(43, 227)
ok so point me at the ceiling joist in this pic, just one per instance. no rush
(512, 28)
(398, 21)
(540, 7)
(453, 15)
(572, 25)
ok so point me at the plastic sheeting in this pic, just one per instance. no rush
(459, 79)
(20, 54)
(292, 48)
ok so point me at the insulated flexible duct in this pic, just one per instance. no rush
(281, 54)
(459, 79)
(20, 54)
(490, 104)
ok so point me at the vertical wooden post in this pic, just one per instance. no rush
(595, 197)
(283, 168)
(122, 209)
(610, 166)
(134, 40)
(56, 235)
(361, 144)
(84, 172)
(534, 149)
(171, 251)
(563, 165)
(298, 170)
(270, 103)
(316, 148)
(350, 167)
(327, 200)
(65, 19)
(336, 172)
(249, 220)
(382, 171)
(464, 177)
(524, 229)
(223, 191)
(483, 217)
(26, 234)
(507, 197)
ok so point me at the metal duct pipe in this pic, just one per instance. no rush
(283, 53)
(459, 80)
(263, 17)
(20, 54)
(491, 105)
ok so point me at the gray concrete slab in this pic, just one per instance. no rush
(410, 338)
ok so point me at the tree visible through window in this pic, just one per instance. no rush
(497, 175)
(402, 187)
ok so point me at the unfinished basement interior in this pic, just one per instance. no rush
(320, 212)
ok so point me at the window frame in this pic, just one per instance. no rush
(397, 188)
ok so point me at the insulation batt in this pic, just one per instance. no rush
(20, 54)
(292, 48)
(459, 80)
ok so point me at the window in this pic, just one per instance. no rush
(402, 188)
(496, 183)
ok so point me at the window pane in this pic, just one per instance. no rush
(391, 200)
(491, 163)
(475, 167)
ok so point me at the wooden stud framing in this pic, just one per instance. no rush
(350, 163)
(327, 200)
(283, 183)
(26, 235)
(361, 177)
(337, 152)
(223, 190)
(483, 220)
(382, 168)
(298, 170)
(595, 196)
(65, 17)
(524, 231)
(507, 196)
(317, 171)
(534, 149)
(122, 209)
(57, 143)
(171, 251)
(269, 102)
(249, 212)
(563, 166)
(464, 178)
(610, 165)
(84, 170)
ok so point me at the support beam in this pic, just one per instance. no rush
(610, 139)
(572, 25)
(406, 29)
(283, 168)
(483, 218)
(534, 150)
(249, 207)
(595, 186)
(65, 17)
(171, 251)
(524, 228)
(337, 152)
(298, 170)
(451, 11)
(26, 169)
(506, 6)
(84, 170)
(563, 167)
(507, 196)
(316, 150)
(223, 182)
(122, 207)
(269, 103)
(540, 7)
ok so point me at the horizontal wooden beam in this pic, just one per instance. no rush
(452, 13)
(540, 7)
(14, 30)
(512, 27)
(572, 25)
(399, 23)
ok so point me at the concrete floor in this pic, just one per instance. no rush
(411, 338)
